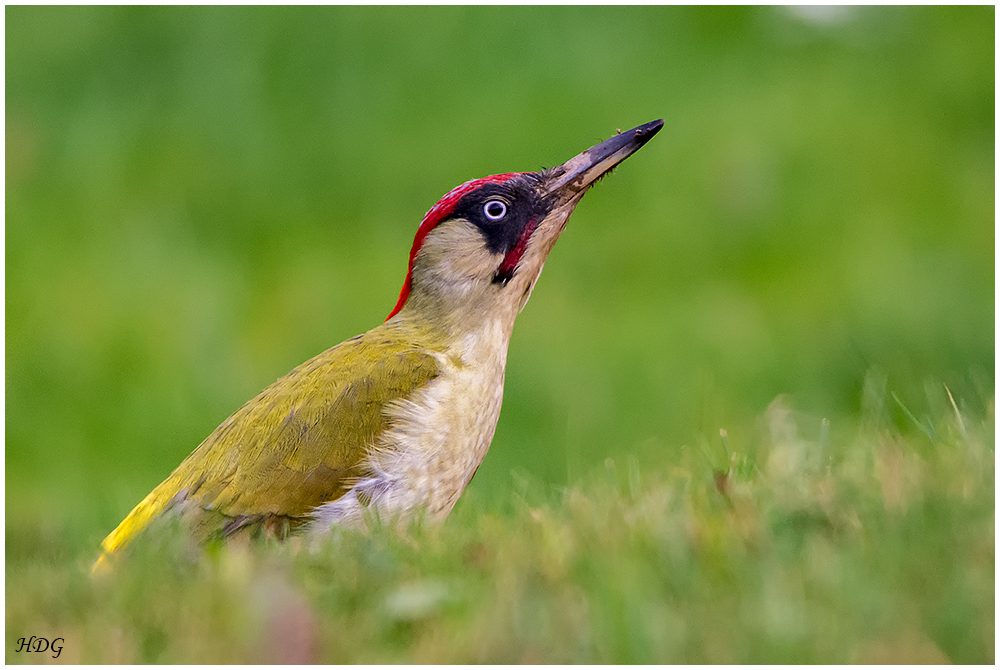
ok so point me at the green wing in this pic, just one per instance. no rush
(291, 448)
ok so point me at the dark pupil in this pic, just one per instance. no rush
(494, 209)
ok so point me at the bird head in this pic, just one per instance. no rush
(480, 249)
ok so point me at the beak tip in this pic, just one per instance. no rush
(576, 174)
(647, 130)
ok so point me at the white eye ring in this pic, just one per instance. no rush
(495, 210)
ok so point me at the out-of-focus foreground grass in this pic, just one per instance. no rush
(859, 547)
(199, 199)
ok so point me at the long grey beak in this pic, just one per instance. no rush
(579, 172)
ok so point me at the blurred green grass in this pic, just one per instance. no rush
(860, 547)
(198, 199)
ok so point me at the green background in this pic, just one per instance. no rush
(197, 200)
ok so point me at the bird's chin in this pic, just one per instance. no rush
(551, 228)
(542, 240)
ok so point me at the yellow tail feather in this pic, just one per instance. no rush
(137, 520)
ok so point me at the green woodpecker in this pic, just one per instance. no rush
(397, 420)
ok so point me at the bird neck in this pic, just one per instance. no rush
(476, 328)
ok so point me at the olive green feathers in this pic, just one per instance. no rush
(298, 444)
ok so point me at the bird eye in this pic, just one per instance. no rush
(495, 210)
